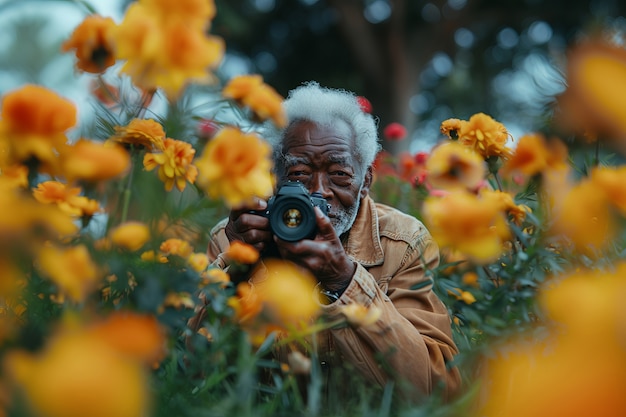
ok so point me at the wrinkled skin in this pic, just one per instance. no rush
(322, 159)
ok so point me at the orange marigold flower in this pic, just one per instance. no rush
(453, 166)
(215, 275)
(534, 155)
(91, 40)
(19, 216)
(33, 121)
(250, 91)
(166, 53)
(287, 294)
(67, 199)
(198, 261)
(139, 336)
(93, 161)
(58, 373)
(175, 164)
(197, 13)
(72, 269)
(242, 252)
(542, 369)
(485, 135)
(506, 203)
(451, 128)
(611, 180)
(145, 133)
(584, 217)
(130, 235)
(236, 166)
(247, 304)
(596, 79)
(17, 175)
(471, 225)
(177, 247)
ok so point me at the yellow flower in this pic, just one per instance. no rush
(547, 378)
(72, 269)
(242, 252)
(151, 256)
(215, 275)
(452, 165)
(247, 303)
(359, 315)
(470, 278)
(534, 155)
(20, 216)
(91, 161)
(465, 296)
(584, 217)
(611, 180)
(33, 122)
(596, 79)
(178, 300)
(67, 199)
(250, 91)
(138, 336)
(198, 261)
(145, 133)
(17, 175)
(236, 166)
(177, 247)
(175, 164)
(91, 41)
(165, 52)
(504, 200)
(287, 294)
(485, 135)
(471, 225)
(197, 13)
(72, 375)
(130, 235)
(451, 128)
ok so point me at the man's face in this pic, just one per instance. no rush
(322, 158)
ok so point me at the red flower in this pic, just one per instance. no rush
(365, 104)
(207, 128)
(394, 131)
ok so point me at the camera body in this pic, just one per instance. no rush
(291, 212)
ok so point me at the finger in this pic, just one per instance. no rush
(325, 228)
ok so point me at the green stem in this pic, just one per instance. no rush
(127, 190)
(498, 183)
(597, 153)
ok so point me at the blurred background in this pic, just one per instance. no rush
(418, 62)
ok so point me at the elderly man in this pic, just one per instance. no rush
(364, 252)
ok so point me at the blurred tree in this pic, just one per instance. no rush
(415, 60)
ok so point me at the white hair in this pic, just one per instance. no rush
(323, 106)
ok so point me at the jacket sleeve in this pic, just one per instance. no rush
(413, 333)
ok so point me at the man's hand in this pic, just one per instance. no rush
(324, 256)
(248, 227)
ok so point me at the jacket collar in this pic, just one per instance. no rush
(363, 243)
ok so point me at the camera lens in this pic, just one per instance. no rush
(292, 217)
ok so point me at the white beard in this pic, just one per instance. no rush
(344, 219)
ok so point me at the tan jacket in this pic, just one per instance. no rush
(392, 250)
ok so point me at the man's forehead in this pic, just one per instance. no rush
(342, 158)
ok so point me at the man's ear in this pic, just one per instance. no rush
(367, 181)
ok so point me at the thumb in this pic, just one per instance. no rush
(324, 226)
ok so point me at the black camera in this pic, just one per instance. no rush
(291, 212)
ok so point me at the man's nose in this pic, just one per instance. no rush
(319, 184)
